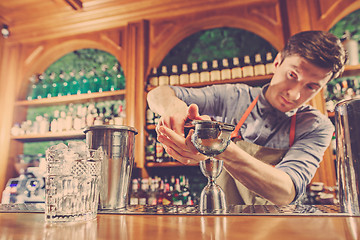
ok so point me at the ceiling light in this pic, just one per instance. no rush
(5, 31)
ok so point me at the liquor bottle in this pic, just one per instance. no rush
(194, 76)
(45, 86)
(39, 87)
(69, 120)
(150, 148)
(247, 68)
(160, 193)
(143, 193)
(167, 200)
(204, 73)
(32, 94)
(150, 117)
(269, 65)
(62, 122)
(259, 67)
(164, 76)
(152, 192)
(172, 181)
(215, 74)
(236, 71)
(184, 76)
(84, 83)
(91, 114)
(54, 127)
(77, 121)
(176, 193)
(106, 79)
(159, 152)
(184, 188)
(154, 77)
(225, 70)
(74, 84)
(64, 84)
(54, 89)
(95, 83)
(44, 124)
(134, 198)
(174, 78)
(118, 77)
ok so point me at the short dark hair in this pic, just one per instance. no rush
(320, 48)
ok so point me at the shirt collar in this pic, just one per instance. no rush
(265, 107)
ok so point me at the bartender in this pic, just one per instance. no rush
(279, 141)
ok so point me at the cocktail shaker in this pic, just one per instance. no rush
(118, 144)
(347, 119)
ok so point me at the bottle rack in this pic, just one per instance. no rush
(80, 98)
(255, 80)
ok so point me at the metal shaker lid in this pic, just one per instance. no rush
(110, 127)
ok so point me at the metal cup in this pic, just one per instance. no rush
(118, 144)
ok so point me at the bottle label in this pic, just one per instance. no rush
(215, 75)
(134, 201)
(204, 77)
(174, 80)
(163, 80)
(225, 74)
(269, 68)
(166, 202)
(236, 73)
(259, 70)
(194, 78)
(184, 79)
(154, 81)
(142, 201)
(248, 71)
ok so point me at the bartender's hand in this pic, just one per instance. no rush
(171, 134)
(178, 117)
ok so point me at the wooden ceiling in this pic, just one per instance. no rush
(34, 20)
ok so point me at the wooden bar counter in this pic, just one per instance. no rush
(23, 225)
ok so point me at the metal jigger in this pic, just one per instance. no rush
(211, 138)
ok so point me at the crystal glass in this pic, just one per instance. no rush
(211, 138)
(72, 183)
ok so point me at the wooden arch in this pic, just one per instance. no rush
(39, 58)
(165, 34)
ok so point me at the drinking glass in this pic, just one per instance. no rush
(72, 183)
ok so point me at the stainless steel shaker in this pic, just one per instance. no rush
(118, 143)
(347, 119)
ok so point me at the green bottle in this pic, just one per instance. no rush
(74, 84)
(107, 82)
(118, 77)
(54, 80)
(95, 82)
(84, 83)
(32, 89)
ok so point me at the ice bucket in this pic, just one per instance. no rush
(347, 119)
(118, 144)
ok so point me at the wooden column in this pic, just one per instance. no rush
(136, 65)
(9, 76)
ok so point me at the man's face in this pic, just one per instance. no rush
(295, 82)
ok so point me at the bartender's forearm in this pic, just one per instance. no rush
(263, 179)
(163, 101)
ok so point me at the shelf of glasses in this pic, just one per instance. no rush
(49, 136)
(70, 99)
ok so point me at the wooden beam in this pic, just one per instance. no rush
(75, 4)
